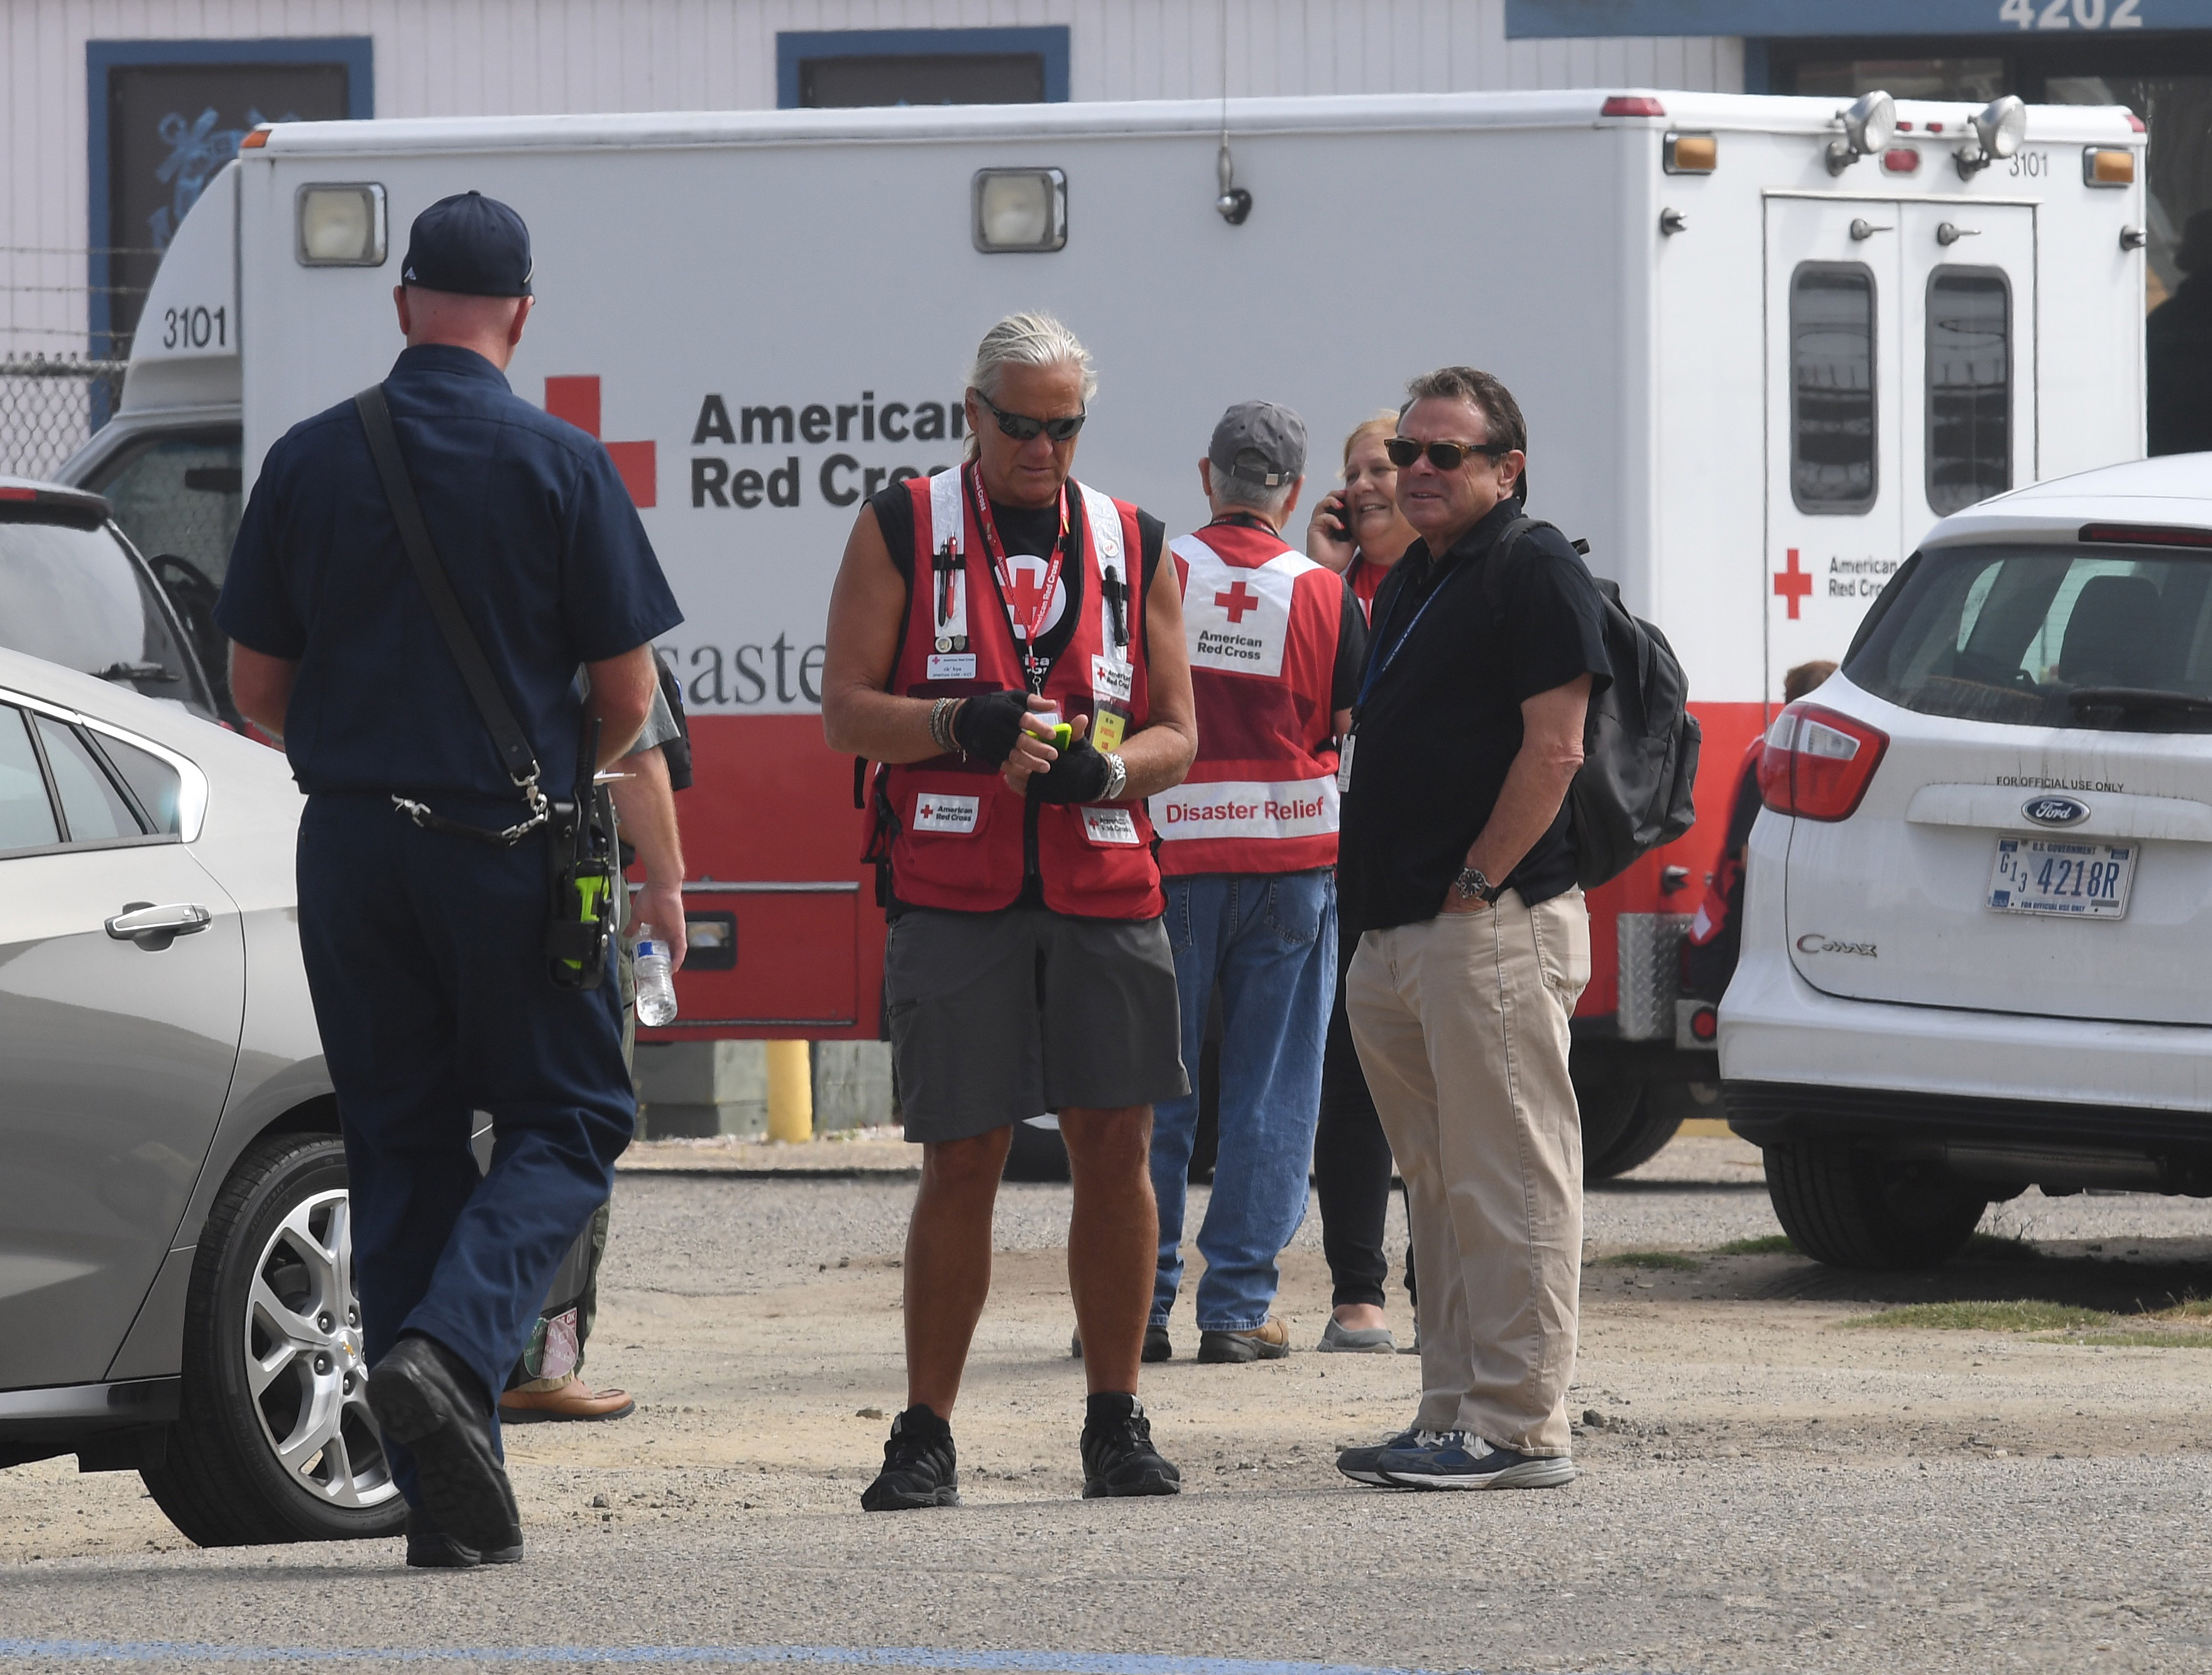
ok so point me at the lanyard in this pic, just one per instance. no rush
(1025, 632)
(1383, 659)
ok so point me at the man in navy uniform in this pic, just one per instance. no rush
(425, 947)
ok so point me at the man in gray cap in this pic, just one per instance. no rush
(1247, 853)
(419, 574)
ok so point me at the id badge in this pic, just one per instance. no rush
(1343, 764)
(1108, 727)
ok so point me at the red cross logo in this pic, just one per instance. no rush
(1028, 595)
(1793, 584)
(577, 400)
(928, 809)
(1238, 600)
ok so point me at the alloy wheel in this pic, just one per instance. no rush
(304, 1365)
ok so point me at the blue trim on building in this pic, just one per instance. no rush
(794, 45)
(1539, 20)
(1758, 67)
(356, 52)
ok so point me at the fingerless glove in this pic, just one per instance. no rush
(988, 726)
(1078, 776)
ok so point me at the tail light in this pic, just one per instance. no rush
(1818, 763)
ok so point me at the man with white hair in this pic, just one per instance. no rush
(1249, 849)
(1005, 642)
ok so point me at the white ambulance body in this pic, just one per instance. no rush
(1751, 379)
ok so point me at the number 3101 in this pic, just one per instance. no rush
(195, 328)
(2072, 13)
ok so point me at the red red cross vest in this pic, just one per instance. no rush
(958, 838)
(1261, 622)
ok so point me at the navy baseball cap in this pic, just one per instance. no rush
(469, 244)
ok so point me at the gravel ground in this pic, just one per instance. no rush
(1763, 1489)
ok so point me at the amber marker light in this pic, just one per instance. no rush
(1691, 154)
(2103, 166)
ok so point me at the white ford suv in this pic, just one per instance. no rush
(1978, 950)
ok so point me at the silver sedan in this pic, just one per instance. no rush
(176, 1285)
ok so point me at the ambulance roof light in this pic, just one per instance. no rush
(1632, 104)
(1999, 127)
(1869, 124)
(256, 140)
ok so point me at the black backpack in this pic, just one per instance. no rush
(1640, 746)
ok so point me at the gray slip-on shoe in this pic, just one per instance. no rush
(1336, 1340)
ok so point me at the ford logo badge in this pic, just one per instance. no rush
(2055, 811)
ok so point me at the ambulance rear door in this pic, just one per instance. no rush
(1900, 386)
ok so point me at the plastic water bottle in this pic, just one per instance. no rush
(656, 990)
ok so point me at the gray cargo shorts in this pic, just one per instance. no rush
(997, 1017)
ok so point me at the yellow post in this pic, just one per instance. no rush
(790, 1091)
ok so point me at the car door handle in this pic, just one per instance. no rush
(154, 928)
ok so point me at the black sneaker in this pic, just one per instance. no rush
(1156, 1347)
(1118, 1456)
(429, 1548)
(920, 1467)
(424, 1395)
(1362, 1465)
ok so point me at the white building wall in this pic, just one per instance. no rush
(499, 57)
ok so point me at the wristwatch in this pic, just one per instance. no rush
(1118, 776)
(1473, 886)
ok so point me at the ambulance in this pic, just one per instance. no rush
(1762, 344)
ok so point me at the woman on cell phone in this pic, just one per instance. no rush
(1356, 530)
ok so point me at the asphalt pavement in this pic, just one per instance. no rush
(1766, 1487)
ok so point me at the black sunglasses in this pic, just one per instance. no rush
(1021, 428)
(1444, 456)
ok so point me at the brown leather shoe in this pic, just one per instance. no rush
(1269, 1342)
(572, 1400)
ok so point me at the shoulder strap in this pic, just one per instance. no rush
(460, 639)
(1493, 562)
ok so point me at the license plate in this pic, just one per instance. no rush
(2045, 875)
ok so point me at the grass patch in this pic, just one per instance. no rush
(2059, 1323)
(1767, 1244)
(2023, 1315)
(1649, 1259)
(2189, 1308)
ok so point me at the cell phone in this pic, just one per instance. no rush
(1343, 521)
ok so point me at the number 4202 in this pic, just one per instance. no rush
(2072, 13)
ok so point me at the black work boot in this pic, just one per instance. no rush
(429, 1548)
(1118, 1456)
(920, 1467)
(424, 1396)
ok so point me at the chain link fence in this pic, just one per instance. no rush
(53, 395)
(49, 406)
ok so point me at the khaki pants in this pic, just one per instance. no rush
(1461, 1027)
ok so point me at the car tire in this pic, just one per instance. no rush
(274, 1442)
(1608, 1094)
(1037, 1154)
(1848, 1209)
(1659, 1111)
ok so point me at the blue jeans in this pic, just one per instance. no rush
(1268, 940)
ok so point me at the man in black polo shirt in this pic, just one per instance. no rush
(1457, 866)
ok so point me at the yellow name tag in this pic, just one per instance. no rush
(1107, 726)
